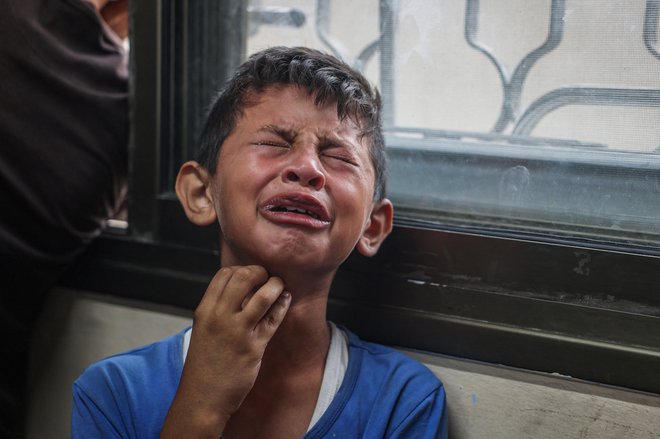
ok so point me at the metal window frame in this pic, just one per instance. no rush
(577, 309)
(181, 53)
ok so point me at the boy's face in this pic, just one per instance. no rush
(294, 186)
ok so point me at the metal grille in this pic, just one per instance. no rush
(514, 118)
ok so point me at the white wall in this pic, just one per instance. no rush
(75, 330)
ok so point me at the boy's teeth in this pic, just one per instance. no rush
(302, 211)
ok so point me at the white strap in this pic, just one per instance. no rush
(333, 374)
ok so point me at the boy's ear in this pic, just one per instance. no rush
(192, 189)
(378, 227)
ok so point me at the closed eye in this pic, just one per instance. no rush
(277, 144)
(270, 135)
(340, 157)
(337, 150)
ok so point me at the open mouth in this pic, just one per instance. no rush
(297, 207)
(295, 210)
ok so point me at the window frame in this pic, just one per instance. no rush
(505, 298)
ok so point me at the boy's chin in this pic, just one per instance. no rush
(293, 266)
(296, 266)
(287, 258)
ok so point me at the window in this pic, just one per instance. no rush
(524, 165)
(549, 128)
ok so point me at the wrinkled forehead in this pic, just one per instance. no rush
(255, 95)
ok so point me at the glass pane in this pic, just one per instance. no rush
(540, 117)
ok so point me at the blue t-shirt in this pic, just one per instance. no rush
(384, 394)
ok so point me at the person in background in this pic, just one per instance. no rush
(63, 158)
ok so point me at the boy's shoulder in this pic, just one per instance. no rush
(373, 365)
(130, 391)
(132, 364)
(124, 377)
(378, 356)
(384, 394)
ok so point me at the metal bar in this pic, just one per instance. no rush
(651, 19)
(384, 43)
(388, 10)
(145, 85)
(517, 81)
(583, 96)
(420, 135)
(274, 16)
(214, 48)
(471, 30)
(322, 19)
(512, 85)
(366, 54)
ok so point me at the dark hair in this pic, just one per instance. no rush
(325, 77)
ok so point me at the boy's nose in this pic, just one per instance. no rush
(305, 169)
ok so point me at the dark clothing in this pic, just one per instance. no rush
(63, 127)
(63, 158)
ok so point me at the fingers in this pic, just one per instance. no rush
(275, 315)
(268, 306)
(215, 288)
(233, 284)
(246, 292)
(265, 305)
(244, 282)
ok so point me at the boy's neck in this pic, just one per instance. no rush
(287, 387)
(293, 364)
(303, 338)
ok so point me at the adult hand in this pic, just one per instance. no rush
(238, 315)
(115, 15)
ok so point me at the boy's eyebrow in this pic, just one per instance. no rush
(334, 139)
(325, 139)
(285, 133)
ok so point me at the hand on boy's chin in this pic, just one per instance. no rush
(240, 312)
